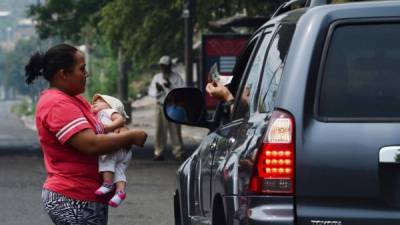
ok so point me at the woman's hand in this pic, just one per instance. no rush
(140, 138)
(121, 130)
(219, 91)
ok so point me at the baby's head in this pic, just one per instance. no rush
(100, 102)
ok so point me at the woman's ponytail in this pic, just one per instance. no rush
(34, 68)
(47, 64)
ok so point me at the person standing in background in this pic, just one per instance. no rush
(161, 84)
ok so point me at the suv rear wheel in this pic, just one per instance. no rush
(218, 214)
(177, 209)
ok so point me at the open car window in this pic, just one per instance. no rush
(241, 63)
(246, 100)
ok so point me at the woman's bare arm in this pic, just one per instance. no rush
(87, 142)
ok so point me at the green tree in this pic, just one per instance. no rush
(103, 74)
(144, 29)
(76, 21)
(68, 19)
(218, 9)
(128, 36)
(12, 69)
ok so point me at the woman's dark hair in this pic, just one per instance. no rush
(58, 57)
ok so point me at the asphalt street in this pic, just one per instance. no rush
(149, 192)
(149, 189)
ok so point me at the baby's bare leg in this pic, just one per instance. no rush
(120, 186)
(108, 176)
(108, 183)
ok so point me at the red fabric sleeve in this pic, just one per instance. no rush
(66, 119)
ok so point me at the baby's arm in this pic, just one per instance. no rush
(117, 122)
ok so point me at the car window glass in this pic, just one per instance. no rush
(240, 66)
(247, 96)
(360, 78)
(273, 66)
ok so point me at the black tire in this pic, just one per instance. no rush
(177, 209)
(218, 214)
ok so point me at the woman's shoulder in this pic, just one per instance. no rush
(51, 98)
(53, 93)
(54, 96)
(48, 101)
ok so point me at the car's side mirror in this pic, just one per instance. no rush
(186, 106)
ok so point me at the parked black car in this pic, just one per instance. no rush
(314, 135)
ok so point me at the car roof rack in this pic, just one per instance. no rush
(295, 4)
(313, 3)
(290, 5)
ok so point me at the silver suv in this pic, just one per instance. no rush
(314, 135)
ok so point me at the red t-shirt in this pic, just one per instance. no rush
(70, 173)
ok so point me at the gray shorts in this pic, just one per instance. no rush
(66, 211)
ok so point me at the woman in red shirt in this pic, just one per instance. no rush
(71, 138)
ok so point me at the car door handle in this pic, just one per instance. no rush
(390, 154)
(213, 146)
(231, 141)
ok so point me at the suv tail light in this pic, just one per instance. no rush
(274, 170)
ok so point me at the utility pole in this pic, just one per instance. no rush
(188, 15)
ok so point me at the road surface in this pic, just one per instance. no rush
(149, 190)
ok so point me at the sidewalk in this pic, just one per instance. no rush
(15, 138)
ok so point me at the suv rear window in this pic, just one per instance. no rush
(361, 76)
